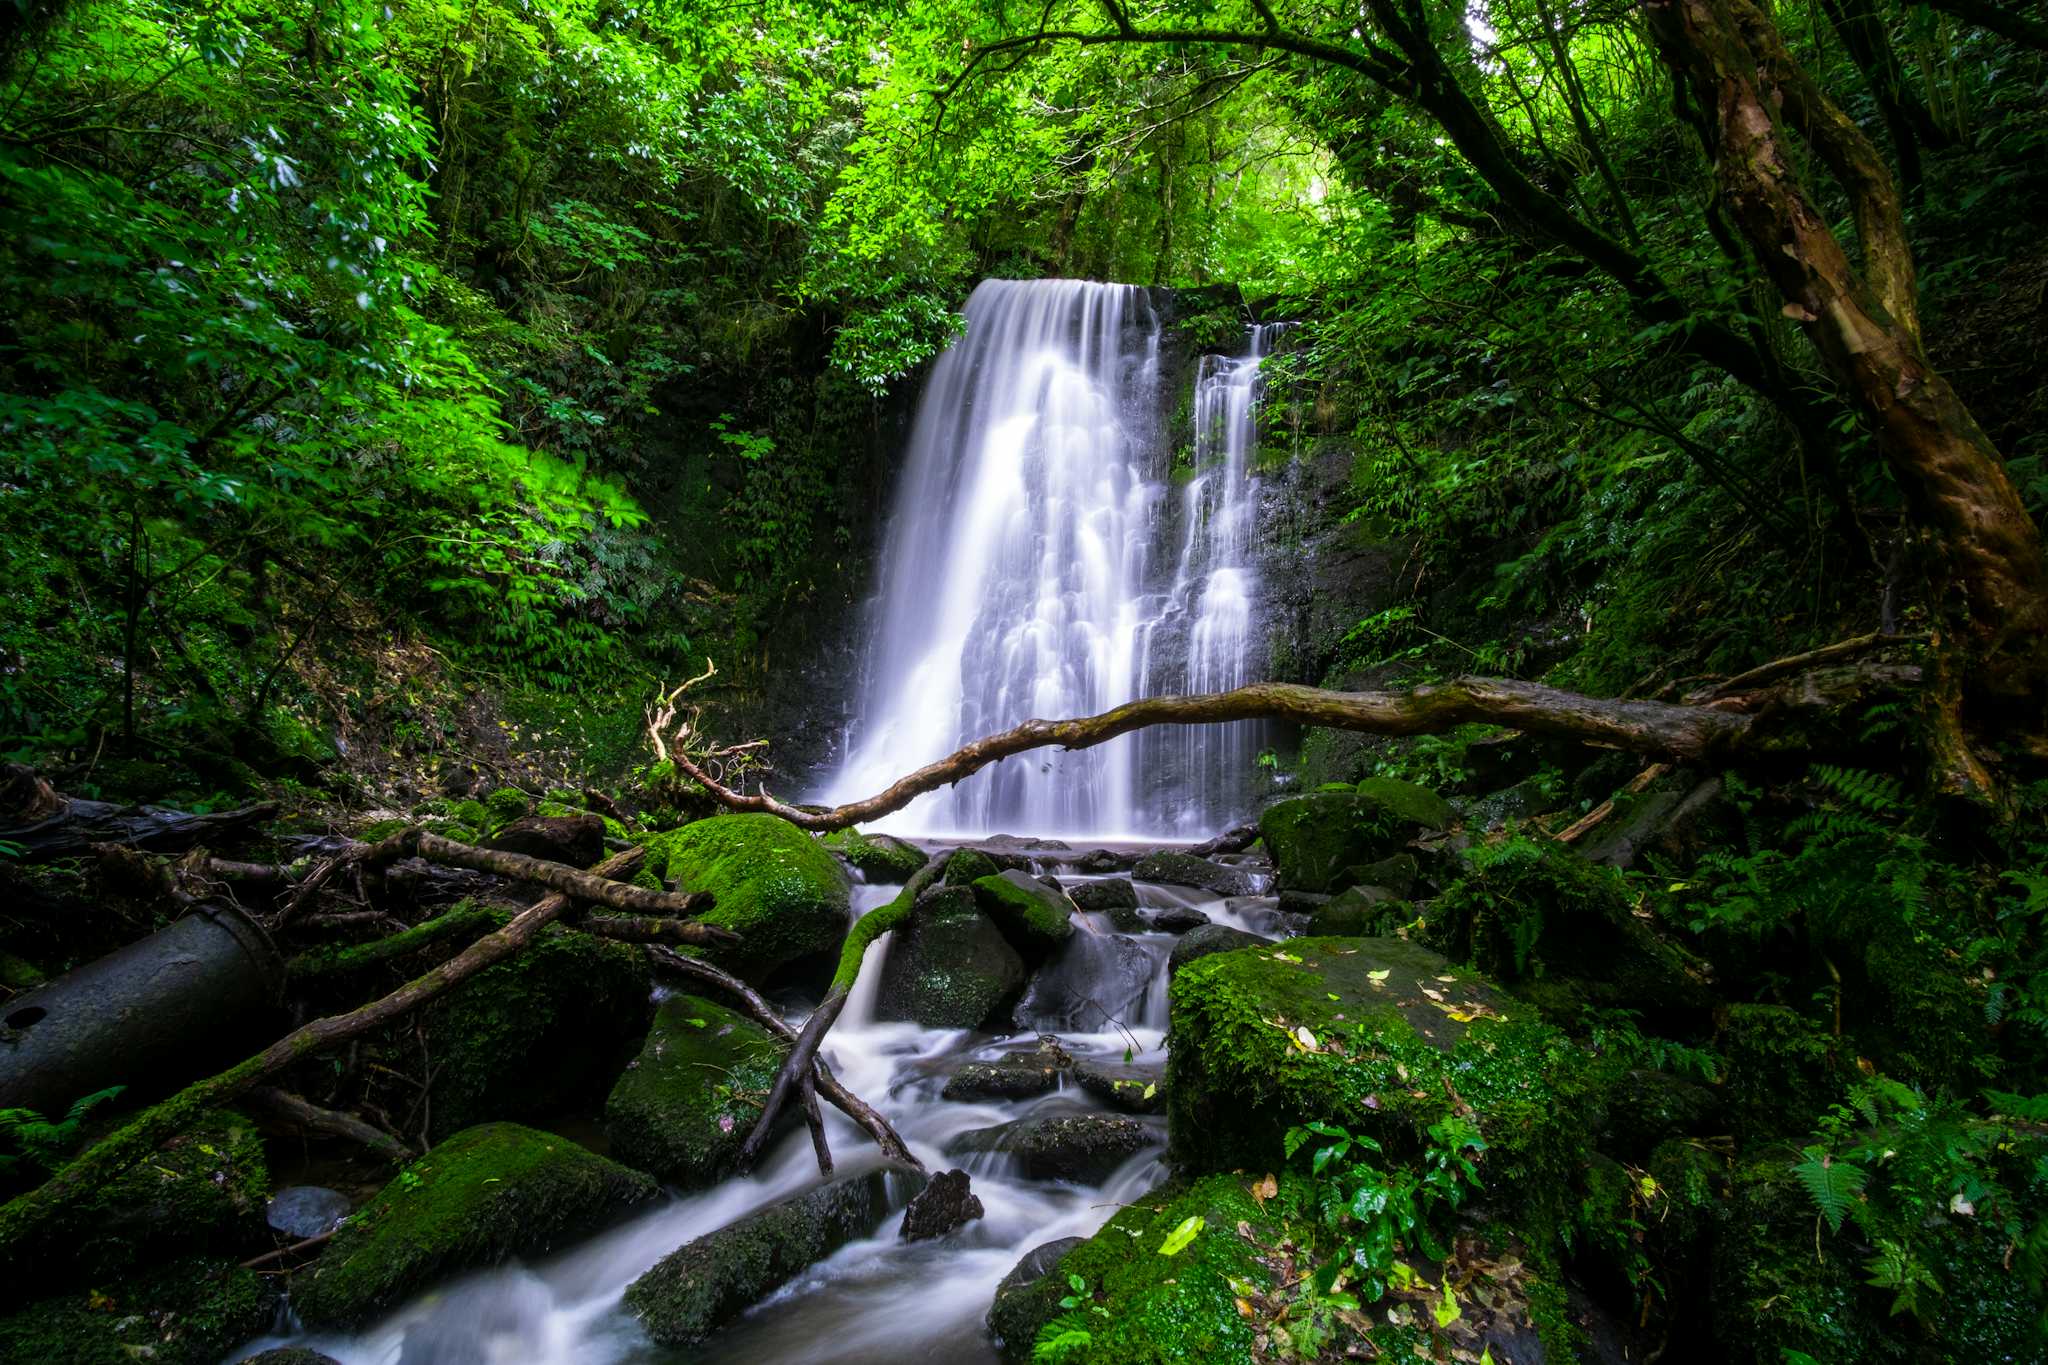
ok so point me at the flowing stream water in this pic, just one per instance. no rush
(1047, 558)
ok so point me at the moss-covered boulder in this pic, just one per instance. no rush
(1529, 909)
(1383, 1037)
(542, 1032)
(683, 1109)
(1105, 893)
(949, 966)
(1318, 840)
(1033, 916)
(202, 1191)
(1185, 869)
(881, 858)
(1082, 1148)
(701, 1286)
(1361, 912)
(775, 886)
(189, 1312)
(1200, 942)
(966, 866)
(486, 1194)
(1028, 1298)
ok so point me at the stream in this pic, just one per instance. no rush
(876, 1300)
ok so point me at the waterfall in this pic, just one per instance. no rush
(1045, 559)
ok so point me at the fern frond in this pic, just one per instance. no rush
(1873, 792)
(1834, 1185)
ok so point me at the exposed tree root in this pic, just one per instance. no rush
(311, 1117)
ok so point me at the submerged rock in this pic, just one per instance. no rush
(702, 1285)
(1013, 1076)
(775, 886)
(1210, 938)
(881, 858)
(683, 1109)
(945, 1203)
(1096, 982)
(189, 1312)
(306, 1210)
(1085, 1149)
(486, 1194)
(949, 967)
(1185, 869)
(1317, 839)
(1033, 916)
(1028, 1298)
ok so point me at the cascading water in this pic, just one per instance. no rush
(1042, 564)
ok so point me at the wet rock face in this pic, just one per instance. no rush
(291, 1355)
(1184, 869)
(945, 1203)
(949, 966)
(682, 1110)
(485, 1195)
(1137, 1089)
(1210, 938)
(1028, 1298)
(1111, 893)
(306, 1210)
(1083, 1148)
(1178, 919)
(1016, 1076)
(1097, 978)
(702, 1285)
(577, 840)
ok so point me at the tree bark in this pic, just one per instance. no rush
(1865, 324)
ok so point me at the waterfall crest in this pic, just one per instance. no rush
(1045, 559)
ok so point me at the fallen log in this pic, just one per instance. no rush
(336, 961)
(45, 824)
(24, 1218)
(521, 867)
(304, 1114)
(1727, 730)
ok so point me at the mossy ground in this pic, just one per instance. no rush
(775, 886)
(683, 1109)
(488, 1193)
(189, 1312)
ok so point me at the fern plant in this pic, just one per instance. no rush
(33, 1145)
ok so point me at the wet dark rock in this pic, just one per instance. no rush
(1026, 842)
(577, 840)
(945, 1203)
(306, 1210)
(1397, 873)
(483, 1196)
(1028, 1298)
(1184, 869)
(1315, 839)
(1646, 1108)
(1110, 893)
(1083, 1148)
(950, 966)
(1674, 825)
(702, 1285)
(1178, 919)
(1511, 804)
(1210, 938)
(1137, 1089)
(1096, 979)
(1301, 902)
(682, 1110)
(1361, 912)
(1097, 860)
(292, 1355)
(1014, 1076)
(1234, 840)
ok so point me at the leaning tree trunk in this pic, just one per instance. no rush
(1865, 324)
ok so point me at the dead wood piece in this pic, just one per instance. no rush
(311, 1117)
(24, 1219)
(655, 929)
(586, 886)
(44, 829)
(285, 1253)
(1593, 817)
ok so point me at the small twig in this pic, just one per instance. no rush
(318, 1239)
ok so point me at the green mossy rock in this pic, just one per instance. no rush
(701, 1286)
(505, 805)
(950, 966)
(1028, 1298)
(1361, 912)
(486, 1194)
(202, 1191)
(1316, 839)
(882, 858)
(1532, 908)
(683, 1109)
(1033, 916)
(966, 866)
(190, 1312)
(778, 888)
(539, 1033)
(1401, 1040)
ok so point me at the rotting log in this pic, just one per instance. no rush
(335, 961)
(1727, 730)
(45, 824)
(521, 867)
(24, 1218)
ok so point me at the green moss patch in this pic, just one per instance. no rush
(949, 965)
(190, 1312)
(881, 858)
(775, 885)
(1318, 840)
(1033, 916)
(683, 1109)
(486, 1194)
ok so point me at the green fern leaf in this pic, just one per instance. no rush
(1834, 1185)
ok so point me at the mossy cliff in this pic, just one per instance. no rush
(484, 1195)
(775, 886)
(683, 1109)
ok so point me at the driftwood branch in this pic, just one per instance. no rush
(1712, 735)
(894, 1150)
(27, 1216)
